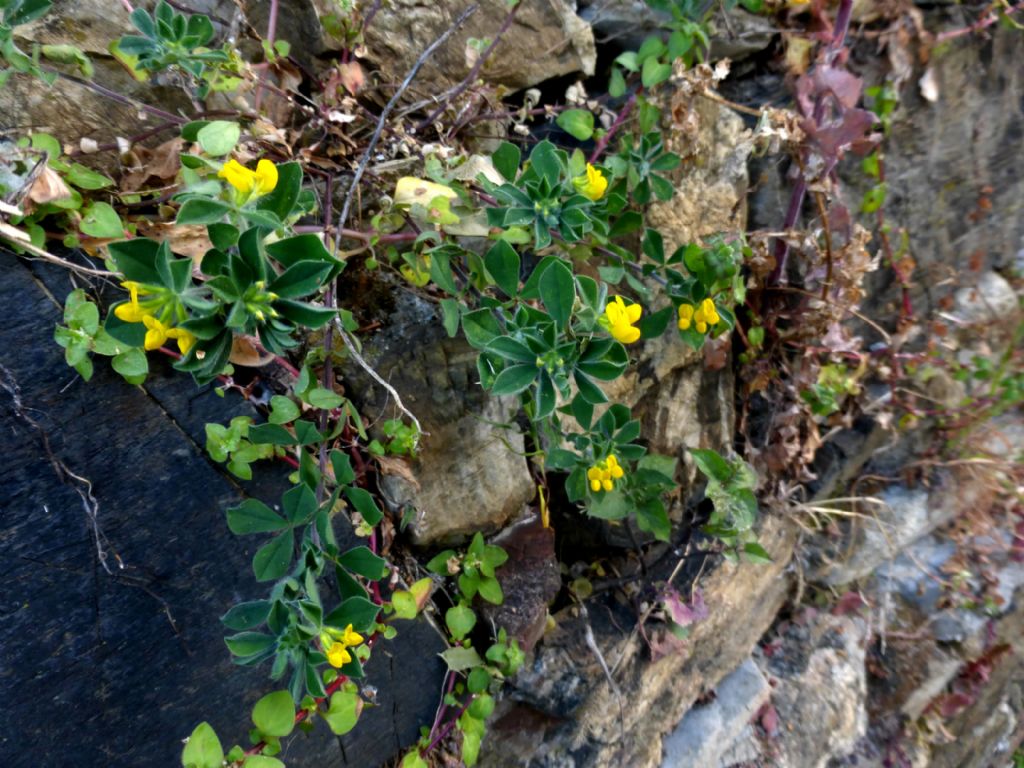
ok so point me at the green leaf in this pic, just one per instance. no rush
(609, 505)
(252, 516)
(249, 643)
(514, 379)
(274, 714)
(506, 160)
(503, 263)
(203, 749)
(490, 590)
(365, 505)
(363, 561)
(283, 410)
(450, 316)
(654, 72)
(479, 680)
(460, 659)
(101, 220)
(652, 518)
(281, 202)
(558, 292)
(324, 399)
(357, 611)
(616, 84)
(87, 178)
(246, 615)
(460, 620)
(404, 604)
(480, 327)
(271, 434)
(131, 364)
(757, 553)
(298, 504)
(578, 123)
(272, 559)
(202, 211)
(219, 137)
(712, 464)
(343, 712)
(342, 465)
(262, 761)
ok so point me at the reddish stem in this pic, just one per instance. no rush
(602, 143)
(796, 200)
(982, 23)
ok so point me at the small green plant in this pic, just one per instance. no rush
(731, 486)
(170, 39)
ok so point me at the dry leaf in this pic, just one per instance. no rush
(244, 351)
(161, 164)
(351, 76)
(47, 187)
(189, 240)
(392, 465)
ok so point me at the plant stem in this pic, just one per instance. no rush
(602, 143)
(470, 78)
(796, 200)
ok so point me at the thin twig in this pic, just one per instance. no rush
(42, 255)
(351, 344)
(602, 143)
(368, 152)
(469, 79)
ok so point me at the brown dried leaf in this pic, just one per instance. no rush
(244, 351)
(47, 187)
(393, 465)
(189, 240)
(351, 77)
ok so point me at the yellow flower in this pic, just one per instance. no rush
(592, 184)
(337, 656)
(685, 316)
(703, 316)
(250, 183)
(619, 318)
(350, 638)
(184, 338)
(132, 312)
(156, 333)
(706, 315)
(603, 474)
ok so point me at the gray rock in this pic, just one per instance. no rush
(905, 515)
(990, 300)
(706, 733)
(71, 111)
(546, 40)
(469, 474)
(578, 719)
(820, 701)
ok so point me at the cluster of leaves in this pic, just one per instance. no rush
(473, 573)
(82, 335)
(59, 191)
(731, 486)
(14, 13)
(171, 39)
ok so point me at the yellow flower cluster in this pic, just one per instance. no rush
(591, 184)
(619, 319)
(158, 330)
(603, 474)
(336, 644)
(701, 317)
(250, 183)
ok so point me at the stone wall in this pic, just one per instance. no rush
(844, 650)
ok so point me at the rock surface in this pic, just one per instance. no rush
(704, 736)
(546, 40)
(819, 683)
(469, 473)
(578, 718)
